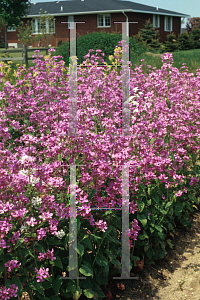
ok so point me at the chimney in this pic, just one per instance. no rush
(61, 9)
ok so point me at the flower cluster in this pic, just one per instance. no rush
(60, 234)
(47, 255)
(42, 274)
(162, 123)
(12, 264)
(7, 293)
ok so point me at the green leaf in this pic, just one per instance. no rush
(152, 141)
(6, 257)
(168, 205)
(170, 243)
(86, 271)
(39, 248)
(58, 263)
(46, 285)
(93, 191)
(37, 286)
(17, 282)
(159, 228)
(2, 267)
(95, 237)
(140, 205)
(101, 279)
(143, 236)
(156, 198)
(60, 157)
(19, 242)
(57, 284)
(102, 261)
(178, 208)
(100, 293)
(88, 293)
(170, 226)
(80, 249)
(87, 243)
(55, 298)
(142, 219)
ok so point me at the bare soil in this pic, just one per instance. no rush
(175, 277)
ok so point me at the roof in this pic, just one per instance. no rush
(82, 7)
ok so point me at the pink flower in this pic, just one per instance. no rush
(101, 225)
(12, 264)
(179, 193)
(41, 233)
(42, 273)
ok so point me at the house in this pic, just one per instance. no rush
(99, 15)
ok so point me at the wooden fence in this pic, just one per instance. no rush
(24, 58)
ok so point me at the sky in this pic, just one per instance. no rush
(191, 7)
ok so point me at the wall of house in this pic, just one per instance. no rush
(62, 31)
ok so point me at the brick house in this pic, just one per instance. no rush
(99, 16)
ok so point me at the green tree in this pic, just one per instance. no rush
(150, 35)
(195, 37)
(25, 33)
(171, 44)
(11, 11)
(184, 41)
(46, 28)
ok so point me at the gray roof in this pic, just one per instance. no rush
(81, 7)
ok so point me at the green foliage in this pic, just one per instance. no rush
(184, 41)
(103, 41)
(45, 35)
(150, 35)
(60, 42)
(170, 44)
(195, 37)
(25, 33)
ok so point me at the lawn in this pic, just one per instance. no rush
(190, 57)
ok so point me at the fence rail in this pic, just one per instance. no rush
(24, 58)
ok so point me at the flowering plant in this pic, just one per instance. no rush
(36, 151)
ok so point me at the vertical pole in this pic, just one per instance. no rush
(25, 56)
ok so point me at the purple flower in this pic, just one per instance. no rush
(42, 273)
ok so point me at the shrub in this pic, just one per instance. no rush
(170, 44)
(184, 41)
(60, 42)
(150, 35)
(99, 40)
(195, 37)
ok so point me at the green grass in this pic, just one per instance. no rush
(190, 57)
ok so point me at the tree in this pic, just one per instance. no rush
(195, 37)
(170, 44)
(150, 35)
(25, 33)
(46, 28)
(11, 11)
(184, 41)
(192, 23)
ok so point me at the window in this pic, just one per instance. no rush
(103, 21)
(37, 27)
(11, 28)
(156, 21)
(70, 19)
(168, 23)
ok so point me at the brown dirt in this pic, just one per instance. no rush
(175, 277)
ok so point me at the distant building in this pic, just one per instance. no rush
(99, 15)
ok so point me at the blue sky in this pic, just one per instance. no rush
(191, 7)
